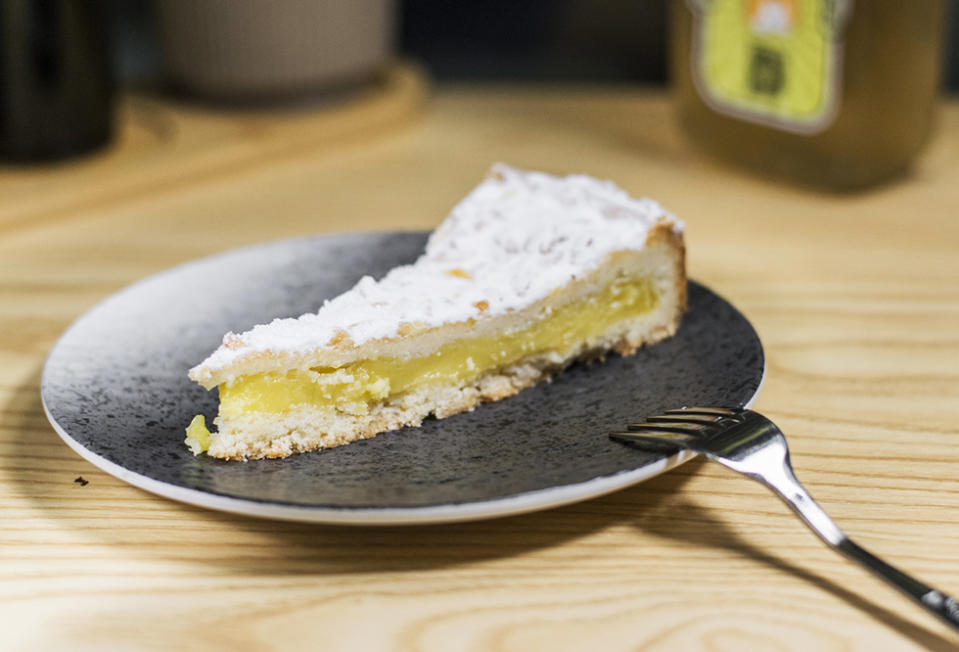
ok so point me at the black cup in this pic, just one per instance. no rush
(56, 86)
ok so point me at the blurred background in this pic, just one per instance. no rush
(533, 40)
(62, 64)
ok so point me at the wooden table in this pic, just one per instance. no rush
(855, 297)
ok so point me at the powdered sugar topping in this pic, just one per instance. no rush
(515, 238)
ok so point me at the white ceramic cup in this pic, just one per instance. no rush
(263, 49)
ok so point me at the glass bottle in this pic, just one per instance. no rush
(56, 86)
(834, 93)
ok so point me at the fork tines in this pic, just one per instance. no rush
(660, 440)
(689, 424)
(674, 427)
(717, 411)
(686, 420)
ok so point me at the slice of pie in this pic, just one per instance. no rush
(528, 274)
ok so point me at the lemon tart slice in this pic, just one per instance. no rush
(529, 273)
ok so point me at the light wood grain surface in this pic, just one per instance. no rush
(855, 297)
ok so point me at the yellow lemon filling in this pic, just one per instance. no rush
(357, 387)
(197, 435)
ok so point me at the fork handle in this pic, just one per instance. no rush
(788, 488)
(942, 605)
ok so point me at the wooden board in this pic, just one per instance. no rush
(856, 298)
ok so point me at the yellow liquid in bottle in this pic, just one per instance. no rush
(888, 81)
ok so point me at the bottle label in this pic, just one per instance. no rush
(774, 62)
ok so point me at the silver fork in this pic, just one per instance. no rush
(749, 443)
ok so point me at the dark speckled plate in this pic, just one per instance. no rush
(115, 388)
